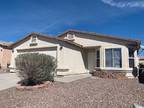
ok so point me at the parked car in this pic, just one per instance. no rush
(139, 72)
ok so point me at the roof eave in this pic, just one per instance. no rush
(100, 35)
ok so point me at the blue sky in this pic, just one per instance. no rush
(124, 18)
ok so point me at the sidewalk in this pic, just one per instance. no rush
(71, 78)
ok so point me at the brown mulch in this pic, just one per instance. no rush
(86, 93)
(110, 75)
(39, 86)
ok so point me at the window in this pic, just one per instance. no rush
(97, 58)
(131, 58)
(34, 39)
(113, 57)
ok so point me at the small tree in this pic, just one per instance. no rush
(34, 68)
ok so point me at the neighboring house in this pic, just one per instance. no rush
(141, 60)
(5, 54)
(81, 52)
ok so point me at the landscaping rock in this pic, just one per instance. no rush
(90, 92)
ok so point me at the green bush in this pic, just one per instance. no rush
(34, 68)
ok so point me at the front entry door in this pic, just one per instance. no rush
(91, 59)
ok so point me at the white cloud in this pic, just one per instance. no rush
(124, 4)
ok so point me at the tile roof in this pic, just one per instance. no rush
(5, 44)
(100, 35)
(46, 37)
(133, 41)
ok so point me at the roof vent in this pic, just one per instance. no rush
(70, 36)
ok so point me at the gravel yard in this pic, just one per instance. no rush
(85, 93)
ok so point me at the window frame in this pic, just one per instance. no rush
(131, 57)
(97, 51)
(113, 58)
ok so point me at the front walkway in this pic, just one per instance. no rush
(70, 78)
(8, 80)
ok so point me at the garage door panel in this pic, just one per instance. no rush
(48, 51)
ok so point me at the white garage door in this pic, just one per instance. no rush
(48, 51)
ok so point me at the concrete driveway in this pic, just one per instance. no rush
(8, 80)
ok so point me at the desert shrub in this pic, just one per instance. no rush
(34, 68)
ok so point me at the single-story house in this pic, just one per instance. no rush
(81, 52)
(5, 54)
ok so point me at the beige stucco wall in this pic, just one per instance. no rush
(39, 42)
(70, 58)
(5, 57)
(88, 40)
